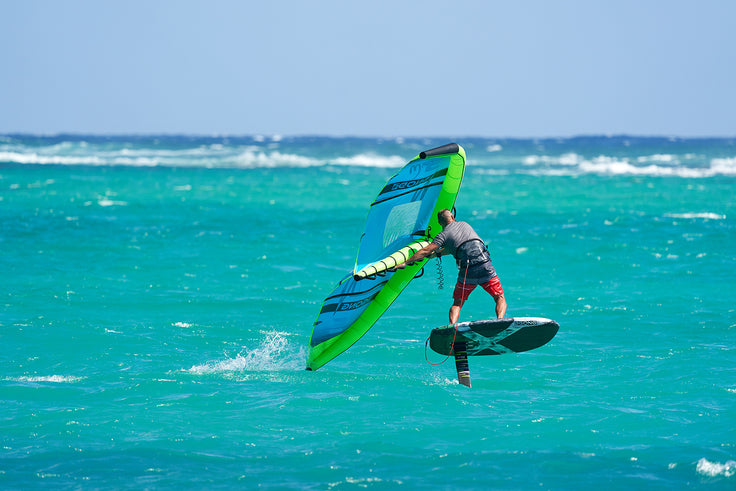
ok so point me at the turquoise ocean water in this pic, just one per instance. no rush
(158, 295)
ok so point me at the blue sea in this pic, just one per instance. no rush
(158, 294)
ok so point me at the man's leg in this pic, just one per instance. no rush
(460, 295)
(496, 290)
(500, 306)
(455, 310)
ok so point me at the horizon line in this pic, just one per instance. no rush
(275, 135)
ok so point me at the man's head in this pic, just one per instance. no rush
(445, 217)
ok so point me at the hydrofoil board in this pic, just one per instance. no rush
(494, 336)
(490, 337)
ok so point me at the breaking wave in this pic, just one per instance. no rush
(686, 159)
(658, 165)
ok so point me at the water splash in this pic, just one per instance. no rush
(275, 353)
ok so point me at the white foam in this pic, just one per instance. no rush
(610, 165)
(725, 166)
(715, 469)
(659, 165)
(35, 158)
(567, 159)
(251, 156)
(707, 216)
(57, 379)
(274, 353)
(245, 157)
(368, 160)
(95, 160)
(253, 159)
(664, 158)
(104, 202)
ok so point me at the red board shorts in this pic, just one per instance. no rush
(492, 286)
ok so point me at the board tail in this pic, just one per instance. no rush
(461, 363)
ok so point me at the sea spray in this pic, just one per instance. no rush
(275, 353)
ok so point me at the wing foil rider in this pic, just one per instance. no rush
(473, 260)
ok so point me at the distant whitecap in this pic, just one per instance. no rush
(714, 469)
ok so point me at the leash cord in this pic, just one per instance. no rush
(440, 275)
(454, 334)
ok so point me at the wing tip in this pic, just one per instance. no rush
(443, 150)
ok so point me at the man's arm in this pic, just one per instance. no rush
(427, 251)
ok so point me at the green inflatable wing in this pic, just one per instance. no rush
(401, 220)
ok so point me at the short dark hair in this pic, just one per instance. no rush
(444, 216)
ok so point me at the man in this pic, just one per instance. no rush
(473, 259)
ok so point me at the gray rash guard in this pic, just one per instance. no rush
(460, 240)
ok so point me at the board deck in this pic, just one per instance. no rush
(494, 336)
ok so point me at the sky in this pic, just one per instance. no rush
(414, 68)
